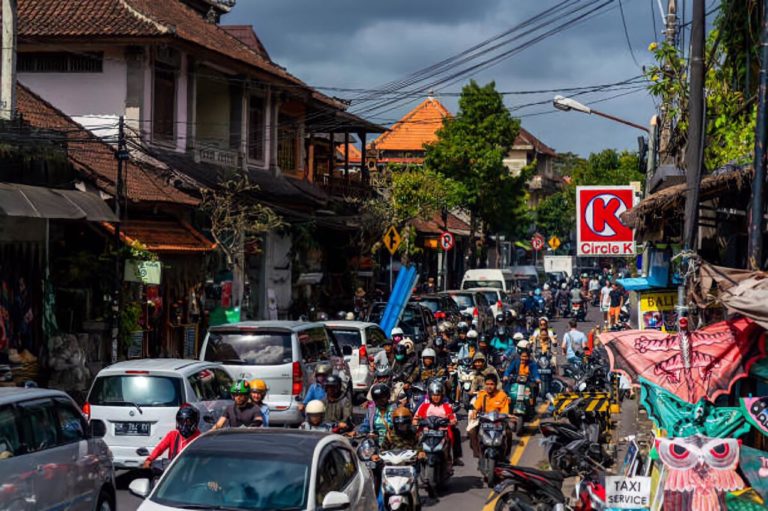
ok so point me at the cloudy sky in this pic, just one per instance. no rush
(341, 44)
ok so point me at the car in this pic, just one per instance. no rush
(496, 298)
(138, 401)
(488, 277)
(282, 353)
(474, 303)
(262, 469)
(441, 305)
(417, 322)
(50, 456)
(359, 341)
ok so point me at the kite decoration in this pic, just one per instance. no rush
(701, 471)
(681, 419)
(756, 411)
(754, 465)
(691, 365)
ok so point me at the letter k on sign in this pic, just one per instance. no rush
(599, 214)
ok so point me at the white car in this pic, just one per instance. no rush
(496, 298)
(275, 469)
(138, 401)
(359, 343)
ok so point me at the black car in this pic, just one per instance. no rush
(417, 322)
(442, 306)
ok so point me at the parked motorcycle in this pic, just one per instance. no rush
(493, 443)
(528, 489)
(398, 480)
(521, 404)
(433, 435)
(574, 450)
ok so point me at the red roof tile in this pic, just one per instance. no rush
(525, 137)
(354, 153)
(96, 159)
(246, 35)
(434, 225)
(418, 127)
(170, 235)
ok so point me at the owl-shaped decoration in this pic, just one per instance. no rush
(700, 471)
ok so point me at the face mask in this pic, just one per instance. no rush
(400, 357)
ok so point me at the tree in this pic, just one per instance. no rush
(470, 149)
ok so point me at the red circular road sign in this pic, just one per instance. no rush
(447, 240)
(537, 242)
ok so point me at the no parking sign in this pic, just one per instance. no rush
(447, 240)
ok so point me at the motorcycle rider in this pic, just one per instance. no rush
(469, 348)
(259, 391)
(462, 329)
(573, 344)
(442, 357)
(481, 370)
(378, 415)
(402, 434)
(405, 372)
(384, 358)
(524, 367)
(439, 406)
(315, 417)
(397, 335)
(530, 305)
(338, 406)
(501, 338)
(594, 290)
(563, 300)
(187, 419)
(490, 399)
(548, 297)
(484, 347)
(316, 391)
(521, 343)
(429, 368)
(242, 412)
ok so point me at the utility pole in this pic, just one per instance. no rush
(755, 251)
(121, 155)
(695, 149)
(8, 62)
(670, 36)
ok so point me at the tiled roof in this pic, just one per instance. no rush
(96, 159)
(417, 128)
(170, 235)
(434, 225)
(354, 153)
(246, 35)
(525, 137)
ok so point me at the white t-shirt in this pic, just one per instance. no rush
(605, 297)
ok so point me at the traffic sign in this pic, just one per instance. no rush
(599, 230)
(554, 242)
(447, 240)
(537, 242)
(392, 239)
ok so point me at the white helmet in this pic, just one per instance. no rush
(472, 334)
(350, 316)
(523, 345)
(315, 406)
(563, 286)
(518, 336)
(428, 352)
(546, 286)
(408, 343)
(396, 331)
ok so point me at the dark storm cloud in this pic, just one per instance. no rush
(366, 43)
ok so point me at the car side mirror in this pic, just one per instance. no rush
(346, 350)
(336, 501)
(98, 428)
(139, 488)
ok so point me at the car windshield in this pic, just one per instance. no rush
(347, 337)
(463, 301)
(431, 304)
(242, 482)
(491, 296)
(469, 284)
(131, 390)
(248, 348)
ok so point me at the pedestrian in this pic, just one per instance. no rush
(617, 302)
(573, 343)
(594, 290)
(605, 300)
(243, 412)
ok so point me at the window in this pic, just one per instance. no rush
(332, 474)
(38, 425)
(60, 62)
(375, 337)
(259, 349)
(348, 464)
(223, 383)
(71, 422)
(130, 390)
(210, 384)
(256, 128)
(351, 338)
(315, 345)
(287, 142)
(9, 433)
(164, 103)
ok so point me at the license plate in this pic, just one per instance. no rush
(545, 371)
(131, 428)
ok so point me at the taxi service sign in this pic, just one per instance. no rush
(392, 239)
(627, 492)
(599, 230)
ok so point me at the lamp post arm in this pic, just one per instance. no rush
(622, 121)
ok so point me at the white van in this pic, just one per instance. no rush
(488, 277)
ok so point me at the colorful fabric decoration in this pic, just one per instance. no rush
(701, 470)
(756, 411)
(754, 466)
(691, 365)
(681, 419)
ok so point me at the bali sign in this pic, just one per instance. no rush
(599, 231)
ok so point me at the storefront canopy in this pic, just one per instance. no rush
(18, 200)
(164, 236)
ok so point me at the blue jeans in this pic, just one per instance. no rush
(574, 361)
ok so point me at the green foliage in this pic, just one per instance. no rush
(421, 193)
(130, 313)
(555, 214)
(608, 167)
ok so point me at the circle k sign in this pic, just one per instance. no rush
(599, 231)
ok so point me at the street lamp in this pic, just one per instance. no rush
(568, 104)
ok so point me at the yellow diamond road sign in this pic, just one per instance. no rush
(554, 242)
(392, 239)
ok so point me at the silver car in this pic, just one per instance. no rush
(275, 469)
(50, 458)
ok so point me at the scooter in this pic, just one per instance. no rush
(493, 442)
(433, 435)
(578, 311)
(521, 404)
(525, 488)
(544, 362)
(465, 378)
(398, 480)
(574, 450)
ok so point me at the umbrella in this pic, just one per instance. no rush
(691, 365)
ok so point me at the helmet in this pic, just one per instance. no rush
(439, 342)
(340, 315)
(483, 338)
(584, 276)
(315, 407)
(408, 345)
(522, 345)
(240, 387)
(383, 371)
(350, 316)
(564, 286)
(472, 334)
(435, 387)
(428, 352)
(259, 385)
(537, 292)
(333, 381)
(187, 419)
(478, 356)
(380, 392)
(546, 287)
(396, 331)
(401, 417)
(401, 351)
(518, 336)
(322, 316)
(462, 327)
(499, 318)
(322, 369)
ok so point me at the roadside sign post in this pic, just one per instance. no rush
(537, 243)
(447, 242)
(392, 241)
(554, 242)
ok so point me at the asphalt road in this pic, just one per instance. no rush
(465, 490)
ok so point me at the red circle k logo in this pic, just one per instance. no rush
(602, 214)
(599, 227)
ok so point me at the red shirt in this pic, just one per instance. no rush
(174, 443)
(442, 410)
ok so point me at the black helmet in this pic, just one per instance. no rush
(401, 349)
(333, 381)
(380, 393)
(499, 318)
(483, 338)
(383, 371)
(435, 387)
(186, 420)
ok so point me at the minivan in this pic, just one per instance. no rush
(282, 353)
(488, 277)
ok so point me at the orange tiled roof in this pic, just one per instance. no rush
(525, 137)
(169, 235)
(434, 225)
(355, 155)
(417, 128)
(96, 159)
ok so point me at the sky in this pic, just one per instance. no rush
(366, 44)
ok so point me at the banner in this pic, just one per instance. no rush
(627, 492)
(144, 272)
(599, 230)
(656, 310)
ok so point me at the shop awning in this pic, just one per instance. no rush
(164, 236)
(40, 202)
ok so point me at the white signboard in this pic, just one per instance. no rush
(145, 272)
(599, 230)
(627, 492)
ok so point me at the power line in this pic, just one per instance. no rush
(626, 34)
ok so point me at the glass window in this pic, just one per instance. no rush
(9, 433)
(346, 461)
(351, 338)
(490, 296)
(131, 390)
(375, 337)
(38, 425)
(204, 385)
(164, 103)
(463, 301)
(257, 482)
(245, 348)
(330, 475)
(71, 422)
(256, 131)
(431, 304)
(481, 301)
(469, 284)
(287, 142)
(315, 345)
(377, 311)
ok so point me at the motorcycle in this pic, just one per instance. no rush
(544, 362)
(368, 454)
(416, 396)
(521, 404)
(579, 311)
(573, 450)
(525, 488)
(433, 435)
(493, 442)
(398, 480)
(465, 378)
